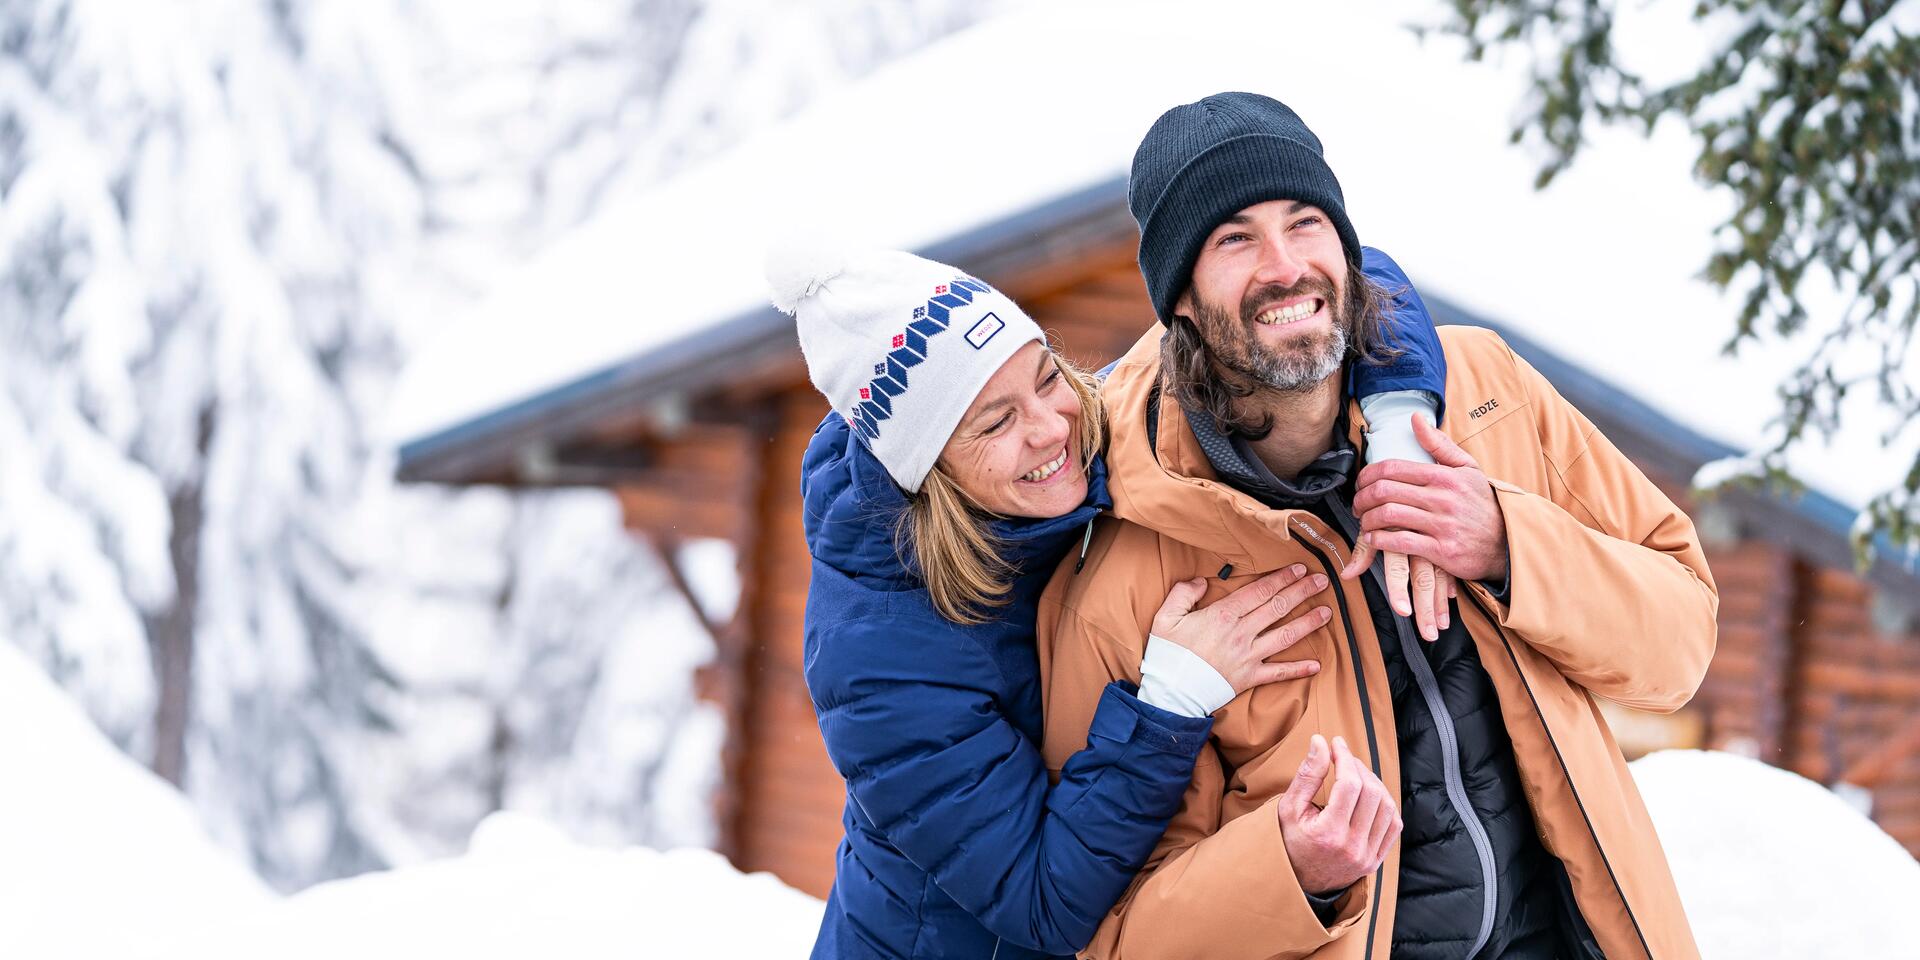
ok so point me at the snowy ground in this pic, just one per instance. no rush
(98, 858)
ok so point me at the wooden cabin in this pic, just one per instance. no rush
(1818, 667)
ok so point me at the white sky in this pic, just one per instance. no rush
(1601, 268)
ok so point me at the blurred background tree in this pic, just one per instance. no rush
(1809, 114)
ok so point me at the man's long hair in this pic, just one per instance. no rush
(1197, 381)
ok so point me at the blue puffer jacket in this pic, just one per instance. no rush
(957, 845)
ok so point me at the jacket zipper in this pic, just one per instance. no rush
(1451, 776)
(1366, 712)
(1557, 755)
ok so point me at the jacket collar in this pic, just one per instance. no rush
(1235, 461)
(853, 510)
(1169, 485)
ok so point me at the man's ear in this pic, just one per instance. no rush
(1183, 307)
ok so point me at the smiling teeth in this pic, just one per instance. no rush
(1299, 311)
(1047, 469)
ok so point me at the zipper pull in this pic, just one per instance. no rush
(1085, 541)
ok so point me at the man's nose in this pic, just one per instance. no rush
(1278, 264)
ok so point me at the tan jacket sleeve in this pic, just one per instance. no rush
(1606, 576)
(1210, 889)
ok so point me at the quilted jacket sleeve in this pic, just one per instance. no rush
(1421, 365)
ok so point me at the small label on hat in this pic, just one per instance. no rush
(984, 330)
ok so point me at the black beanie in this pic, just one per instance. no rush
(1204, 162)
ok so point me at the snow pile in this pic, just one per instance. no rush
(524, 890)
(100, 858)
(97, 856)
(1771, 864)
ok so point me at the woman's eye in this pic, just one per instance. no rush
(995, 426)
(1051, 379)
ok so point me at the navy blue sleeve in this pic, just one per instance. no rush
(1421, 365)
(934, 764)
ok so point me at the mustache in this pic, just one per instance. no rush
(1258, 301)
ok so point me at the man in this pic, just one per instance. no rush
(1520, 833)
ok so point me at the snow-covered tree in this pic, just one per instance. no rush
(1808, 116)
(223, 226)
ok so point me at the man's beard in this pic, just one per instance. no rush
(1301, 363)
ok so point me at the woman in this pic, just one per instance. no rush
(961, 464)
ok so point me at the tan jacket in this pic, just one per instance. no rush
(1609, 593)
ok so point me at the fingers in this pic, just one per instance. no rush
(1346, 784)
(1443, 591)
(1285, 670)
(1179, 602)
(1292, 632)
(1388, 490)
(1445, 452)
(1248, 598)
(1386, 828)
(1399, 516)
(1285, 602)
(1357, 564)
(1396, 569)
(1403, 541)
(1371, 796)
(1426, 612)
(1307, 780)
(1403, 471)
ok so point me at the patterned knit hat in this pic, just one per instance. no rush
(898, 344)
(1203, 162)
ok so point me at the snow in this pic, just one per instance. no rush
(1602, 267)
(97, 855)
(525, 890)
(98, 858)
(1771, 864)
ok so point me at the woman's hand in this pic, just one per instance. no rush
(1231, 634)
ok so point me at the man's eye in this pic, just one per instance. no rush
(1229, 238)
(1307, 221)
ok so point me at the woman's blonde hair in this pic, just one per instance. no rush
(947, 538)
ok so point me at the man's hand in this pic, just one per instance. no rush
(1443, 511)
(1334, 846)
(1431, 588)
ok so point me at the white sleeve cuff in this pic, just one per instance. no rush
(1177, 680)
(1390, 424)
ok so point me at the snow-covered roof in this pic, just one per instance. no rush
(1601, 268)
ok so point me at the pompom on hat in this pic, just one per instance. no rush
(900, 345)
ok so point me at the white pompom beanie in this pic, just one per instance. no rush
(900, 345)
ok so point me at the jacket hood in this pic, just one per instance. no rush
(853, 508)
(1174, 490)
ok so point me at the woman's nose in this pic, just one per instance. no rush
(1050, 427)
